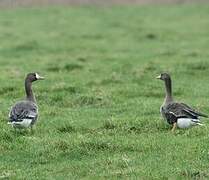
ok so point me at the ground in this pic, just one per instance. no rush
(22, 3)
(99, 104)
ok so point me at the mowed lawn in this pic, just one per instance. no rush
(99, 105)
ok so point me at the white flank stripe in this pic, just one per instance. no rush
(25, 123)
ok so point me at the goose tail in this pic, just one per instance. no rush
(200, 124)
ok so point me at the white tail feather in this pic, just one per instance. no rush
(25, 123)
(200, 124)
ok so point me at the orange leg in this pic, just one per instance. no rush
(174, 127)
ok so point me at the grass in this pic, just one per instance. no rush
(99, 105)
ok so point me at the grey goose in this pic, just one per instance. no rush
(25, 113)
(176, 113)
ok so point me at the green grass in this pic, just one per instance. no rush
(99, 105)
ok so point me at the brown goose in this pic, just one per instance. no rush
(177, 114)
(25, 113)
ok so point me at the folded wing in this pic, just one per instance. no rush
(181, 110)
(23, 111)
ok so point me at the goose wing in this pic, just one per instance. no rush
(23, 110)
(182, 110)
(192, 111)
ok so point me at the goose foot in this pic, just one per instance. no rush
(31, 130)
(15, 130)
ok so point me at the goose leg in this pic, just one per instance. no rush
(174, 127)
(31, 130)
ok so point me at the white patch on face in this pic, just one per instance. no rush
(158, 77)
(39, 77)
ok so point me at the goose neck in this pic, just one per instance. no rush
(29, 91)
(168, 90)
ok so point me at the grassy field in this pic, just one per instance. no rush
(99, 105)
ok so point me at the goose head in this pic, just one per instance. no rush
(31, 77)
(164, 77)
(168, 87)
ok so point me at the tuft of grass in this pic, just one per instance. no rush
(66, 129)
(88, 101)
(66, 67)
(67, 89)
(6, 90)
(27, 46)
(71, 67)
(151, 36)
(109, 125)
